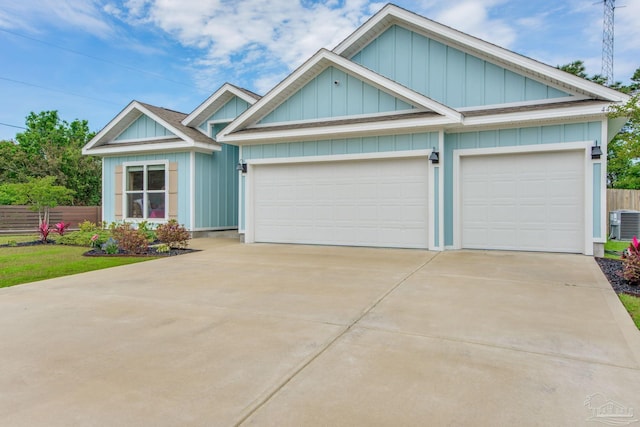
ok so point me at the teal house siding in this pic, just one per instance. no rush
(333, 93)
(182, 159)
(446, 74)
(216, 189)
(505, 138)
(144, 127)
(374, 144)
(229, 111)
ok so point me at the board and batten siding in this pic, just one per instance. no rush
(181, 161)
(216, 190)
(373, 144)
(229, 111)
(144, 127)
(446, 74)
(334, 93)
(574, 132)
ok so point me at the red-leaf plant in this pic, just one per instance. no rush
(61, 227)
(631, 267)
(44, 230)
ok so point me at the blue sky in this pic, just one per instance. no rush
(89, 58)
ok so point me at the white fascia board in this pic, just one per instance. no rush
(100, 135)
(395, 15)
(114, 150)
(224, 89)
(341, 131)
(368, 76)
(592, 111)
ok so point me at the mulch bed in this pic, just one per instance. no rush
(100, 253)
(612, 269)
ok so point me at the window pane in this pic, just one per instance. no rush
(155, 177)
(156, 205)
(135, 178)
(135, 205)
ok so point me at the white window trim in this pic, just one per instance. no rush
(125, 206)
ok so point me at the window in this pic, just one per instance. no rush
(146, 191)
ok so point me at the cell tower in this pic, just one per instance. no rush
(607, 41)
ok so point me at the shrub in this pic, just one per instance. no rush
(147, 228)
(631, 259)
(44, 231)
(85, 238)
(61, 227)
(110, 246)
(173, 234)
(88, 226)
(130, 239)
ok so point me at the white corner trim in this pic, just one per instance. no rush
(192, 191)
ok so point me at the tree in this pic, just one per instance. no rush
(623, 164)
(52, 147)
(40, 194)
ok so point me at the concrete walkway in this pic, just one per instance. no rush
(288, 335)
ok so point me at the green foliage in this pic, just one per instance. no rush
(632, 304)
(162, 248)
(130, 239)
(41, 194)
(173, 234)
(146, 227)
(631, 266)
(624, 150)
(52, 147)
(8, 194)
(110, 246)
(84, 238)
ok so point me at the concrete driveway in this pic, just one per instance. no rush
(299, 336)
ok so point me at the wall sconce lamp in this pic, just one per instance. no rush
(434, 156)
(596, 151)
(242, 166)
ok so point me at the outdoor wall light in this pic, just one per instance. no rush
(596, 151)
(434, 156)
(242, 166)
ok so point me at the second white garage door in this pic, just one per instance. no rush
(529, 202)
(379, 203)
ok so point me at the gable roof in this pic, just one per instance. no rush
(216, 101)
(184, 137)
(314, 66)
(391, 15)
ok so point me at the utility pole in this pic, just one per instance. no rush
(607, 41)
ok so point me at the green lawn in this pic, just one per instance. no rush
(32, 263)
(615, 245)
(632, 304)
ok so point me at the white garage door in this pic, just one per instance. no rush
(532, 202)
(356, 203)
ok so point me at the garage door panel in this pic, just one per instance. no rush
(523, 201)
(362, 203)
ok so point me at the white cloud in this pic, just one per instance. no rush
(84, 15)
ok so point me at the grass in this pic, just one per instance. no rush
(27, 264)
(615, 245)
(632, 304)
(6, 238)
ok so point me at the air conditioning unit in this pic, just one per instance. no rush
(624, 224)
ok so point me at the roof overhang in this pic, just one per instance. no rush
(103, 141)
(314, 66)
(216, 101)
(393, 15)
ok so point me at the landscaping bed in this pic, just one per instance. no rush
(612, 269)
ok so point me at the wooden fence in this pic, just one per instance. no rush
(19, 219)
(623, 199)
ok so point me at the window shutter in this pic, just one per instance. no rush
(118, 201)
(173, 190)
